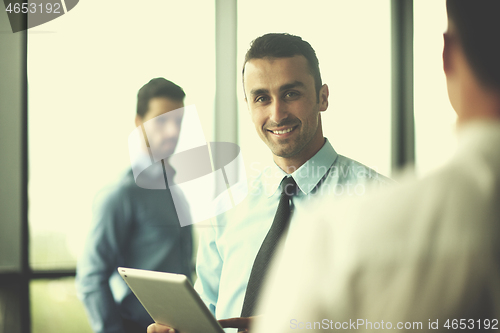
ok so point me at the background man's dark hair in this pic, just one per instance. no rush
(158, 87)
(477, 23)
(282, 45)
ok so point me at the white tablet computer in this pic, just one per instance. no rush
(171, 300)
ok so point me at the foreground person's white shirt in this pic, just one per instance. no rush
(422, 252)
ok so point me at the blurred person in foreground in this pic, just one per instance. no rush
(133, 226)
(285, 98)
(425, 255)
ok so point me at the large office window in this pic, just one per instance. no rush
(84, 71)
(352, 42)
(434, 117)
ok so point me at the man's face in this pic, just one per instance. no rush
(162, 129)
(282, 101)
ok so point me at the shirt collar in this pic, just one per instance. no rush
(479, 135)
(307, 176)
(478, 130)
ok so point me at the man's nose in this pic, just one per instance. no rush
(277, 111)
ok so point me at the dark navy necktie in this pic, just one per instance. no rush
(267, 249)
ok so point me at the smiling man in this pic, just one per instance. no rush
(424, 255)
(285, 107)
(285, 98)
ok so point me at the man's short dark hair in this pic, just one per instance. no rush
(158, 87)
(477, 23)
(283, 45)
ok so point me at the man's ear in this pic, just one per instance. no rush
(323, 98)
(138, 121)
(447, 50)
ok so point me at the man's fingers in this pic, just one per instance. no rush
(157, 328)
(235, 322)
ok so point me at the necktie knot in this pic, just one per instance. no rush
(289, 187)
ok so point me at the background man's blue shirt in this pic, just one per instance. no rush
(132, 227)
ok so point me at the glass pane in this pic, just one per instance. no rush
(55, 307)
(352, 42)
(84, 70)
(434, 117)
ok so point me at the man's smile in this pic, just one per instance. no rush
(281, 131)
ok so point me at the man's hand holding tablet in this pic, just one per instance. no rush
(172, 302)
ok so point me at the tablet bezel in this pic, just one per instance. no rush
(171, 300)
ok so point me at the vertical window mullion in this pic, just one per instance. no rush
(403, 128)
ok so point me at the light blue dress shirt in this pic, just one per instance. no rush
(228, 247)
(132, 227)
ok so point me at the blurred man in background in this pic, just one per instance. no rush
(134, 226)
(425, 255)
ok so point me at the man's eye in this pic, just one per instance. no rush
(261, 99)
(291, 94)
